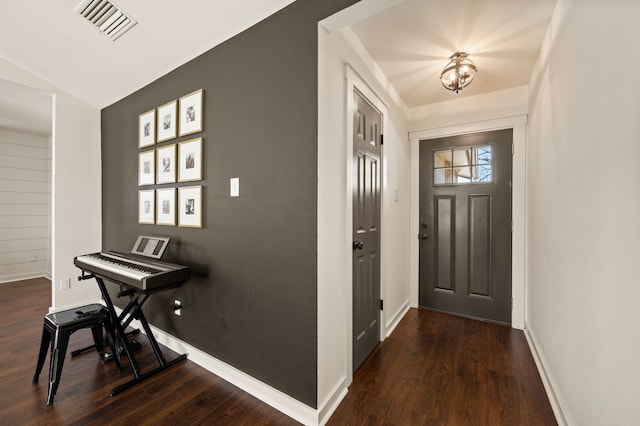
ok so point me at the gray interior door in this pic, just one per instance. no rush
(465, 225)
(367, 127)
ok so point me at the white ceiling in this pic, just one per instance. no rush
(411, 40)
(50, 40)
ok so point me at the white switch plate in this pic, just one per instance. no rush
(234, 187)
(65, 284)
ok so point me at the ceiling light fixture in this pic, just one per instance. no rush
(458, 73)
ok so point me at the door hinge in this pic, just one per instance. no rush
(381, 305)
(381, 139)
(513, 148)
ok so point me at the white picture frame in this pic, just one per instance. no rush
(147, 129)
(146, 206)
(166, 164)
(190, 160)
(167, 121)
(190, 206)
(146, 168)
(191, 113)
(166, 206)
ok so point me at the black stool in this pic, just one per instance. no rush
(57, 329)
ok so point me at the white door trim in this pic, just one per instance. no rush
(519, 125)
(354, 81)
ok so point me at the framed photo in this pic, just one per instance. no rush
(147, 128)
(191, 113)
(190, 160)
(166, 206)
(166, 164)
(190, 206)
(167, 121)
(146, 206)
(146, 168)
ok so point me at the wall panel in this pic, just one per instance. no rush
(25, 200)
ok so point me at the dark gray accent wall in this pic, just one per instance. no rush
(252, 300)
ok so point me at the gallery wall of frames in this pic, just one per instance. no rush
(166, 164)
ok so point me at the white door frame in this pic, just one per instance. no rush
(519, 125)
(354, 81)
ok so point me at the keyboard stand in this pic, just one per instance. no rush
(132, 311)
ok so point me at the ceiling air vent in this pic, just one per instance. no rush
(106, 17)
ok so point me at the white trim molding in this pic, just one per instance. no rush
(519, 125)
(546, 382)
(393, 323)
(22, 277)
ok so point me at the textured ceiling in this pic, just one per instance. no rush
(412, 40)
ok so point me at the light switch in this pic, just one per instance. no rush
(234, 187)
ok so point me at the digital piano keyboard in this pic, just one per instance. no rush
(142, 273)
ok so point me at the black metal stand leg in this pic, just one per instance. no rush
(133, 310)
(120, 334)
(152, 339)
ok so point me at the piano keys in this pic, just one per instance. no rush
(144, 274)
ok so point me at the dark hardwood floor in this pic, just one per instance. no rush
(439, 369)
(185, 394)
(435, 369)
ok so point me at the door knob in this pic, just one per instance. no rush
(423, 236)
(358, 245)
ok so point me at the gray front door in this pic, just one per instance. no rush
(465, 225)
(367, 128)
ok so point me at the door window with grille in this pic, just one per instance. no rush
(463, 165)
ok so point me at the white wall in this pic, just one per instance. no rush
(488, 106)
(25, 200)
(334, 210)
(49, 204)
(76, 188)
(584, 210)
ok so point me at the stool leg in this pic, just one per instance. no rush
(42, 354)
(58, 352)
(98, 339)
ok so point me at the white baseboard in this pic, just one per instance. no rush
(267, 394)
(22, 277)
(397, 318)
(330, 404)
(546, 382)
